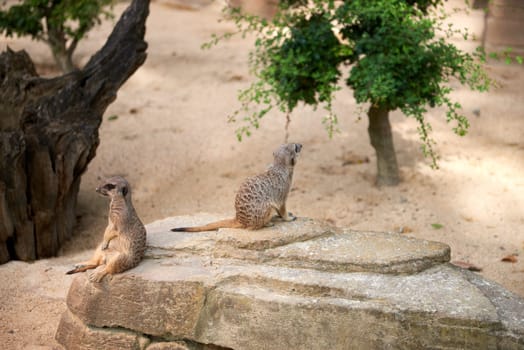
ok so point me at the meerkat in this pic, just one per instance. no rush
(124, 241)
(260, 194)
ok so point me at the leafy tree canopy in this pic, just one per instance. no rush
(76, 17)
(396, 50)
(59, 23)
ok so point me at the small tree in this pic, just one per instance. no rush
(59, 23)
(396, 56)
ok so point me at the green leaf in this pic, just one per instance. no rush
(437, 226)
(66, 21)
(393, 53)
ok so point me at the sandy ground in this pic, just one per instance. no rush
(172, 141)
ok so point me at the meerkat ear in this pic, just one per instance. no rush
(298, 147)
(124, 191)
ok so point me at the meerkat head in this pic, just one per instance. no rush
(115, 186)
(287, 154)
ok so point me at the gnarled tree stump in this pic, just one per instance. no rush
(49, 134)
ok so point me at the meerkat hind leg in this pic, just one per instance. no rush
(267, 217)
(97, 275)
(117, 263)
(270, 223)
(283, 213)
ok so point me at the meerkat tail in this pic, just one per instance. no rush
(81, 269)
(228, 223)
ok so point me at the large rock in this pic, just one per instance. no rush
(298, 285)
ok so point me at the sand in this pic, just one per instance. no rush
(167, 133)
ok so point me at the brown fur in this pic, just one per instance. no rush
(124, 241)
(259, 195)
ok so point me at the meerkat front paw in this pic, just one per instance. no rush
(290, 217)
(105, 245)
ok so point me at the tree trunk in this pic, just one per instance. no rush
(382, 141)
(58, 43)
(63, 58)
(49, 133)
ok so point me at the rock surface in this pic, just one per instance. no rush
(298, 285)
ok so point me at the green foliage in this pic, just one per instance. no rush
(400, 63)
(31, 17)
(506, 55)
(304, 65)
(397, 50)
(55, 22)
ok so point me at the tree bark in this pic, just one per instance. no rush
(49, 134)
(382, 141)
(63, 58)
(61, 54)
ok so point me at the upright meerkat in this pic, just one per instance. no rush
(260, 194)
(124, 242)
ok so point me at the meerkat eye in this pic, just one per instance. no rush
(109, 187)
(124, 191)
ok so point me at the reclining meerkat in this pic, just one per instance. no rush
(260, 194)
(124, 242)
